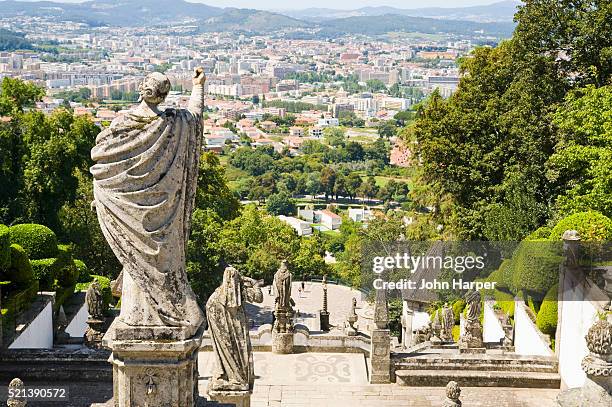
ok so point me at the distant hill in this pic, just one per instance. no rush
(392, 22)
(251, 21)
(10, 41)
(502, 11)
(134, 13)
(113, 12)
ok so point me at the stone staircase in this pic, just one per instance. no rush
(488, 370)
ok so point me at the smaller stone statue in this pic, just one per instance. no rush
(283, 308)
(448, 322)
(95, 301)
(436, 329)
(96, 321)
(472, 338)
(17, 386)
(351, 319)
(453, 392)
(229, 331)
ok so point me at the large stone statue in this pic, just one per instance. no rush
(145, 177)
(229, 332)
(145, 173)
(473, 301)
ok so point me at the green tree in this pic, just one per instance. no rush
(335, 136)
(213, 192)
(281, 204)
(581, 165)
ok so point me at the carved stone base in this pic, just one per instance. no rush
(381, 356)
(154, 372)
(282, 343)
(472, 337)
(94, 333)
(231, 398)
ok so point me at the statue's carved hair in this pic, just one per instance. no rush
(154, 88)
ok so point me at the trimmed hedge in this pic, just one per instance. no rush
(84, 274)
(536, 267)
(505, 301)
(38, 241)
(67, 272)
(5, 248)
(591, 226)
(61, 295)
(458, 307)
(20, 271)
(546, 319)
(45, 271)
(540, 233)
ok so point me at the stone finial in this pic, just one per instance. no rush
(599, 340)
(16, 402)
(453, 392)
(571, 235)
(381, 311)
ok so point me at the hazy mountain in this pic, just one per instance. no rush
(393, 22)
(497, 12)
(253, 21)
(155, 12)
(113, 12)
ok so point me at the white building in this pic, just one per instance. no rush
(360, 214)
(328, 219)
(328, 122)
(301, 227)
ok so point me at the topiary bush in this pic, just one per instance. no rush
(20, 271)
(546, 319)
(458, 307)
(38, 241)
(540, 233)
(67, 273)
(505, 274)
(5, 248)
(84, 273)
(45, 271)
(536, 267)
(591, 226)
(505, 301)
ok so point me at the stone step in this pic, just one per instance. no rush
(474, 364)
(469, 378)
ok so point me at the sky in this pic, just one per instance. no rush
(336, 4)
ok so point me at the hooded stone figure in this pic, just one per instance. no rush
(229, 332)
(145, 176)
(282, 287)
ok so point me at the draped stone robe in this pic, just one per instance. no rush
(144, 188)
(228, 326)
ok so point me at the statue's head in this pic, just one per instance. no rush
(154, 88)
(283, 265)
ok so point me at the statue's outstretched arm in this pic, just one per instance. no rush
(196, 101)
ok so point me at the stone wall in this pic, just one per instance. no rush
(492, 330)
(528, 340)
(38, 334)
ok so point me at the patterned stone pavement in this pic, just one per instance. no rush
(391, 395)
(340, 380)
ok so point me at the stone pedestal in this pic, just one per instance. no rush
(324, 319)
(282, 342)
(381, 356)
(231, 398)
(471, 341)
(94, 333)
(150, 369)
